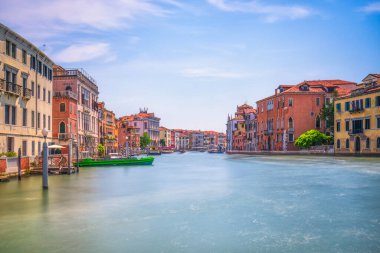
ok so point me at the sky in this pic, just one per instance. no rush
(192, 62)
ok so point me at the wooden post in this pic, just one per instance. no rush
(19, 164)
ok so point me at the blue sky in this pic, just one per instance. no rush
(192, 62)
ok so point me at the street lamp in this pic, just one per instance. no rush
(45, 160)
(76, 153)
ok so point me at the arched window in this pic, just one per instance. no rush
(347, 143)
(378, 142)
(317, 122)
(367, 143)
(62, 127)
(290, 122)
(338, 144)
(62, 107)
(68, 88)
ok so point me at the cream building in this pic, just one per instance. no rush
(25, 94)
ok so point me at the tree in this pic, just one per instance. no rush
(312, 138)
(101, 150)
(144, 140)
(163, 142)
(327, 114)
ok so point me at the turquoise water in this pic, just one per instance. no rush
(199, 202)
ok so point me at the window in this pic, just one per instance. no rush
(32, 62)
(378, 122)
(45, 71)
(291, 137)
(32, 119)
(338, 107)
(44, 120)
(33, 148)
(10, 114)
(338, 126)
(377, 101)
(24, 117)
(378, 142)
(62, 107)
(62, 127)
(50, 74)
(367, 123)
(32, 89)
(347, 106)
(38, 91)
(48, 123)
(24, 56)
(368, 103)
(40, 67)
(24, 148)
(290, 123)
(347, 143)
(38, 120)
(14, 50)
(367, 143)
(49, 96)
(44, 94)
(290, 102)
(8, 47)
(14, 115)
(39, 148)
(318, 122)
(318, 101)
(338, 144)
(7, 114)
(347, 125)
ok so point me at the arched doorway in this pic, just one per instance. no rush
(269, 144)
(357, 144)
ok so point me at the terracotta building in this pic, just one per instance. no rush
(293, 110)
(107, 129)
(85, 88)
(128, 136)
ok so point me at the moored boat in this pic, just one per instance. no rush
(89, 162)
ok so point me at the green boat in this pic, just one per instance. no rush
(89, 162)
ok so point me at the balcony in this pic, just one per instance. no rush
(65, 136)
(268, 132)
(66, 93)
(291, 130)
(356, 131)
(357, 110)
(26, 93)
(12, 89)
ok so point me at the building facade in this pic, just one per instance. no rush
(357, 119)
(26, 94)
(85, 88)
(293, 110)
(107, 129)
(166, 135)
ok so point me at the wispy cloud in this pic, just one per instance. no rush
(371, 8)
(83, 52)
(272, 13)
(59, 16)
(209, 73)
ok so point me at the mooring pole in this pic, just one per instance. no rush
(45, 161)
(19, 164)
(69, 159)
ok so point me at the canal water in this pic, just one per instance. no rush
(199, 202)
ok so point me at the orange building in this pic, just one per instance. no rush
(293, 110)
(107, 129)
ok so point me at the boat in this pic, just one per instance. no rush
(89, 162)
(216, 151)
(167, 151)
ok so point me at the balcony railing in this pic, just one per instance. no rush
(356, 131)
(65, 136)
(65, 93)
(13, 88)
(268, 131)
(356, 110)
(291, 130)
(26, 93)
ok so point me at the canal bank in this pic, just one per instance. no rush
(199, 202)
(303, 153)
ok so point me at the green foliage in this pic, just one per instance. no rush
(144, 140)
(312, 138)
(101, 150)
(327, 114)
(163, 143)
(9, 154)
